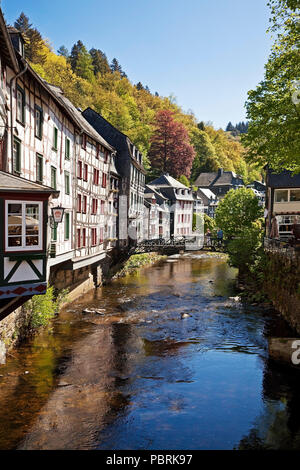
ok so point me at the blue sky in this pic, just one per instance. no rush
(207, 53)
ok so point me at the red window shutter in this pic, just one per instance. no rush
(78, 238)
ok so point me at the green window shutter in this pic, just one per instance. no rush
(67, 149)
(17, 156)
(55, 138)
(67, 182)
(39, 168)
(67, 226)
(53, 177)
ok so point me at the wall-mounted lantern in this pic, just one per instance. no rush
(57, 215)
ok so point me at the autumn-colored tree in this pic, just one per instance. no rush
(170, 149)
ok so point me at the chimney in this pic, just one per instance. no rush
(220, 171)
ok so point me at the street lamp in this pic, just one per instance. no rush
(57, 215)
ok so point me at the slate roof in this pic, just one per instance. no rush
(170, 188)
(76, 116)
(205, 179)
(16, 184)
(285, 179)
(224, 178)
(208, 193)
(167, 181)
(114, 137)
(7, 49)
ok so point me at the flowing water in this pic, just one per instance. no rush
(142, 377)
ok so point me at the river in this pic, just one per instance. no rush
(142, 377)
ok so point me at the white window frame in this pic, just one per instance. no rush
(38, 247)
(289, 195)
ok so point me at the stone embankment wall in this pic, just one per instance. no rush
(282, 284)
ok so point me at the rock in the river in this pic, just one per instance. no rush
(236, 299)
(185, 315)
(96, 311)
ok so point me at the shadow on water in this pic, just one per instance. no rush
(145, 376)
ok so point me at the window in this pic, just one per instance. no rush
(24, 226)
(38, 122)
(67, 148)
(39, 168)
(85, 172)
(281, 195)
(101, 238)
(78, 202)
(20, 105)
(67, 182)
(53, 177)
(104, 180)
(84, 237)
(55, 138)
(67, 226)
(97, 150)
(94, 206)
(17, 156)
(105, 156)
(295, 195)
(96, 176)
(102, 207)
(79, 170)
(78, 238)
(94, 236)
(84, 204)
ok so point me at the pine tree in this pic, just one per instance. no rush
(84, 65)
(116, 67)
(22, 23)
(230, 127)
(99, 61)
(75, 54)
(63, 51)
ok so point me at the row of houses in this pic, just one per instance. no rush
(72, 187)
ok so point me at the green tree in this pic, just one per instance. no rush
(274, 107)
(239, 216)
(99, 61)
(238, 210)
(205, 159)
(183, 180)
(84, 65)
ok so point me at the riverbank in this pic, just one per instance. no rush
(133, 264)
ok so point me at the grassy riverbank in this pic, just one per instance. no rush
(135, 262)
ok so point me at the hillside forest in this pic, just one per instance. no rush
(88, 79)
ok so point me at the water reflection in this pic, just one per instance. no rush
(141, 377)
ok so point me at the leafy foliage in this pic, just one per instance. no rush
(274, 107)
(170, 149)
(44, 307)
(239, 216)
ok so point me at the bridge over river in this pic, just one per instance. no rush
(177, 244)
